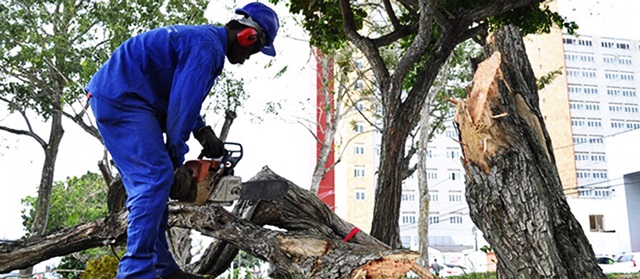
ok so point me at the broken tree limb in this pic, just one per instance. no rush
(24, 253)
(309, 244)
(513, 187)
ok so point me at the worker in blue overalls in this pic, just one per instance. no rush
(154, 85)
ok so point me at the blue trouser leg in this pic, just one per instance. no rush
(164, 261)
(134, 139)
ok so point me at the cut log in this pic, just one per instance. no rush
(513, 188)
(308, 244)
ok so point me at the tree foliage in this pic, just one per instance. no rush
(74, 201)
(54, 46)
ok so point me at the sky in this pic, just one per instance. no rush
(277, 141)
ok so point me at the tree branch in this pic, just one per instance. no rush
(392, 14)
(363, 43)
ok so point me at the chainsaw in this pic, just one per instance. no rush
(216, 183)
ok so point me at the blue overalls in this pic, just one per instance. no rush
(154, 84)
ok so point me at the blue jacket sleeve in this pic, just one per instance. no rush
(194, 76)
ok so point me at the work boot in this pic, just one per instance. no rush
(180, 274)
(183, 189)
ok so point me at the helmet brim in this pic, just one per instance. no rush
(269, 50)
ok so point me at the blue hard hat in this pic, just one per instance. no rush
(267, 19)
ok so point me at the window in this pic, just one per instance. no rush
(631, 108)
(570, 56)
(601, 192)
(455, 196)
(453, 154)
(359, 127)
(633, 124)
(576, 105)
(360, 105)
(358, 171)
(622, 45)
(573, 72)
(456, 219)
(596, 123)
(607, 44)
(628, 92)
(596, 223)
(583, 174)
(598, 157)
(589, 73)
(609, 59)
(582, 156)
(616, 107)
(611, 75)
(585, 42)
(593, 106)
(454, 175)
(408, 196)
(359, 148)
(433, 196)
(408, 218)
(451, 132)
(568, 41)
(596, 140)
(599, 174)
(434, 218)
(590, 89)
(359, 64)
(625, 60)
(578, 139)
(578, 122)
(587, 57)
(613, 91)
(360, 194)
(432, 174)
(617, 124)
(627, 76)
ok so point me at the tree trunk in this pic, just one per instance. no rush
(41, 217)
(311, 246)
(326, 121)
(389, 188)
(513, 188)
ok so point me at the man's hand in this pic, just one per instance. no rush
(212, 146)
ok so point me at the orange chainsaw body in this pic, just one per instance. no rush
(202, 171)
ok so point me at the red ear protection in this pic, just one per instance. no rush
(247, 37)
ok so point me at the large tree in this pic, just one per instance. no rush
(423, 34)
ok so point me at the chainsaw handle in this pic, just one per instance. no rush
(231, 156)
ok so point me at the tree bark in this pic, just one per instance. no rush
(513, 188)
(326, 121)
(311, 244)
